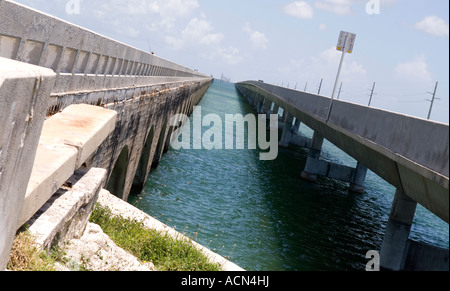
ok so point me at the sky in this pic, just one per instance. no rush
(402, 46)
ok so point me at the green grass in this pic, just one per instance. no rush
(25, 256)
(165, 252)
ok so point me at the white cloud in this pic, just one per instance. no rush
(159, 14)
(299, 9)
(324, 65)
(258, 39)
(230, 55)
(433, 25)
(322, 26)
(197, 32)
(331, 58)
(415, 70)
(341, 7)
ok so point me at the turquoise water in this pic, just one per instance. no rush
(261, 215)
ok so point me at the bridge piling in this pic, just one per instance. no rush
(296, 127)
(314, 154)
(359, 179)
(394, 247)
(317, 167)
(287, 131)
(276, 109)
(267, 109)
(260, 106)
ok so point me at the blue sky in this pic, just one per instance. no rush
(404, 48)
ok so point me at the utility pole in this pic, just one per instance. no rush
(340, 91)
(320, 86)
(432, 100)
(306, 86)
(371, 94)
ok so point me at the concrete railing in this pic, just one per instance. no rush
(421, 141)
(24, 91)
(32, 37)
(46, 66)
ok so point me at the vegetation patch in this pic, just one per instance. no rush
(26, 256)
(164, 251)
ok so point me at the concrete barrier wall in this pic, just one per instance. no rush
(33, 37)
(24, 91)
(91, 69)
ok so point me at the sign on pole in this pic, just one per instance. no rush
(346, 42)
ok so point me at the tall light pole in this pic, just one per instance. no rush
(346, 43)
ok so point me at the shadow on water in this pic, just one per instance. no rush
(260, 214)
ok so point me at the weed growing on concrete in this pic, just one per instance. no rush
(164, 251)
(25, 255)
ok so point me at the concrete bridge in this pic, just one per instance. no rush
(411, 154)
(80, 112)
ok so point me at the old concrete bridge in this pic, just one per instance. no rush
(73, 101)
(81, 112)
(411, 154)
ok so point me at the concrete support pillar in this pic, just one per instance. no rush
(260, 105)
(287, 131)
(359, 179)
(249, 98)
(394, 247)
(296, 127)
(276, 109)
(257, 101)
(313, 157)
(285, 115)
(267, 108)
